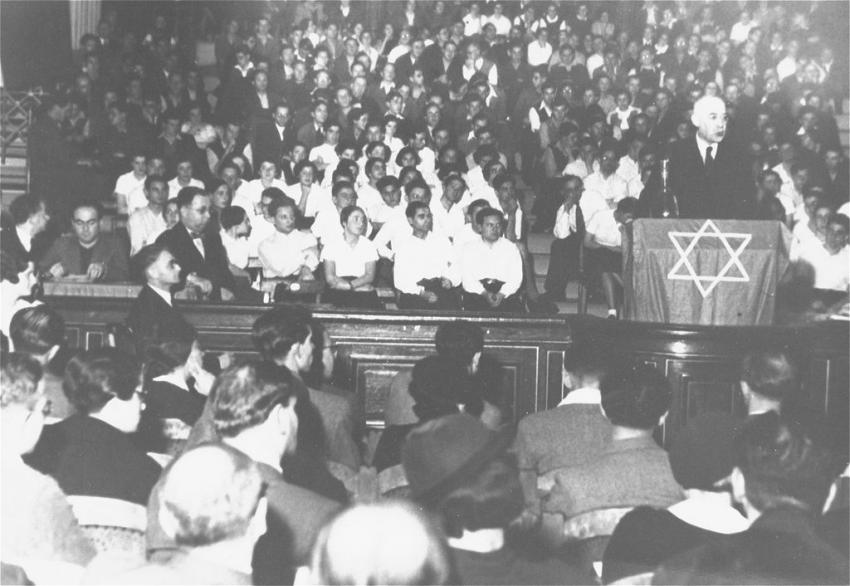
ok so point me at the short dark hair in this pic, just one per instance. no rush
(346, 212)
(94, 377)
(88, 203)
(783, 463)
(339, 186)
(151, 179)
(282, 202)
(635, 396)
(169, 353)
(416, 184)
(231, 216)
(770, 373)
(415, 206)
(486, 213)
(243, 396)
(142, 260)
(187, 195)
(275, 331)
(35, 330)
(386, 181)
(24, 207)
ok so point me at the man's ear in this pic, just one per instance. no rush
(51, 354)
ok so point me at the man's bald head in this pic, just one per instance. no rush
(210, 494)
(710, 118)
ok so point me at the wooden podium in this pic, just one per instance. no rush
(703, 272)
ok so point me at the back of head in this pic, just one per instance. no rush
(275, 331)
(460, 339)
(702, 454)
(36, 330)
(95, 377)
(209, 494)
(771, 374)
(439, 384)
(384, 543)
(635, 397)
(231, 216)
(244, 395)
(783, 464)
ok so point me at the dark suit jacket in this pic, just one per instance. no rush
(88, 457)
(309, 136)
(268, 145)
(726, 191)
(253, 108)
(151, 318)
(107, 250)
(212, 266)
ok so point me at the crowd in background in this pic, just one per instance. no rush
(499, 112)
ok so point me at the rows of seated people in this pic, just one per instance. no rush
(339, 158)
(168, 465)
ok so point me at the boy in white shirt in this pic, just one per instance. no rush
(288, 254)
(184, 178)
(425, 270)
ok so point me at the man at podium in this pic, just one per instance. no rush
(709, 174)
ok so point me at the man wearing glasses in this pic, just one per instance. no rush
(86, 255)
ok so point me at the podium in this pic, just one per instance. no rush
(703, 272)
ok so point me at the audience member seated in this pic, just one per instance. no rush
(491, 267)
(235, 234)
(17, 280)
(176, 393)
(39, 332)
(289, 254)
(349, 262)
(200, 253)
(147, 222)
(129, 191)
(39, 526)
(702, 457)
(603, 249)
(425, 270)
(381, 543)
(781, 479)
(212, 504)
(86, 255)
(632, 469)
(91, 453)
(26, 231)
(460, 470)
(253, 410)
(574, 433)
(184, 177)
(153, 315)
(327, 226)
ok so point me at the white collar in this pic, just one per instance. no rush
(166, 295)
(174, 379)
(24, 232)
(712, 512)
(582, 396)
(481, 541)
(703, 145)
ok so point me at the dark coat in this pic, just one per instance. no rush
(107, 250)
(268, 145)
(213, 265)
(151, 318)
(88, 457)
(724, 192)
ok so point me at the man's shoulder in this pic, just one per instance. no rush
(285, 497)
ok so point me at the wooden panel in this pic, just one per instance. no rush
(701, 362)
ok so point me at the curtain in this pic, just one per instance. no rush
(85, 14)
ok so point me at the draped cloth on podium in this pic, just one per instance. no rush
(709, 272)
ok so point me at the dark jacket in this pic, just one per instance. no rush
(107, 250)
(213, 265)
(151, 318)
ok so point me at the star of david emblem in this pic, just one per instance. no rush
(684, 269)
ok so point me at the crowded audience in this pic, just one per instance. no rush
(349, 153)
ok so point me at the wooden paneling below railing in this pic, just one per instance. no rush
(701, 362)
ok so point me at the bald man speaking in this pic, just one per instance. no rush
(710, 174)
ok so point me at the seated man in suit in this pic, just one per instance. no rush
(273, 139)
(30, 217)
(199, 252)
(86, 255)
(212, 504)
(153, 316)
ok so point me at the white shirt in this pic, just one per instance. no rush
(484, 260)
(786, 68)
(539, 54)
(803, 242)
(325, 155)
(534, 116)
(832, 271)
(393, 231)
(472, 25)
(166, 295)
(283, 255)
(370, 200)
(628, 168)
(593, 63)
(238, 249)
(174, 186)
(318, 198)
(249, 194)
(604, 228)
(579, 168)
(350, 261)
(24, 232)
(740, 32)
(424, 258)
(143, 227)
(845, 209)
(623, 116)
(492, 74)
(261, 229)
(582, 396)
(502, 24)
(131, 193)
(566, 222)
(612, 189)
(449, 222)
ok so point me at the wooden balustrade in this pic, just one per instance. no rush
(700, 361)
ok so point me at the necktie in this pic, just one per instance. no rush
(199, 244)
(709, 159)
